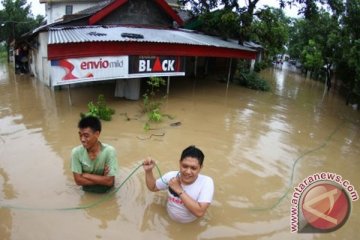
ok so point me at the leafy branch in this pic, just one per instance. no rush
(99, 109)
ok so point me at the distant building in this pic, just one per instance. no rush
(55, 10)
(259, 49)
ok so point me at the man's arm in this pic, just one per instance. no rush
(150, 180)
(86, 179)
(196, 208)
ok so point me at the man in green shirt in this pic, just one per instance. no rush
(94, 164)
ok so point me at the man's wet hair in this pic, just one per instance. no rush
(90, 122)
(194, 152)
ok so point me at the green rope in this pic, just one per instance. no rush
(110, 194)
(324, 144)
(90, 205)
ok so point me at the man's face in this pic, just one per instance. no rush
(88, 137)
(189, 170)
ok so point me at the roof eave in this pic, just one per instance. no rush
(80, 50)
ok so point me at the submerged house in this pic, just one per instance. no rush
(122, 40)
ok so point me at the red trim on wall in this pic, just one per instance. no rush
(164, 5)
(106, 11)
(92, 49)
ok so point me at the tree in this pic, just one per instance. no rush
(16, 19)
(246, 20)
(200, 6)
(310, 8)
(224, 23)
(311, 56)
(271, 28)
(245, 15)
(317, 47)
(350, 43)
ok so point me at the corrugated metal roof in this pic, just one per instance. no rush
(118, 34)
(252, 45)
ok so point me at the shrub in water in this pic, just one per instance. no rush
(99, 109)
(253, 81)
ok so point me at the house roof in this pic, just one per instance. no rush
(102, 9)
(66, 41)
(253, 45)
(142, 41)
(136, 34)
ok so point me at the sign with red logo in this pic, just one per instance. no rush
(69, 71)
(156, 66)
(321, 203)
(76, 70)
(325, 207)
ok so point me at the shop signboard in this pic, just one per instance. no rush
(151, 66)
(76, 70)
(89, 69)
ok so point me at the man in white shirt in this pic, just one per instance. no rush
(189, 193)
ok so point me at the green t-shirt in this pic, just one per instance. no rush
(81, 163)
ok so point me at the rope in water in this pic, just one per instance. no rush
(90, 205)
(110, 194)
(283, 196)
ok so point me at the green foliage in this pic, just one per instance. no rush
(260, 66)
(224, 23)
(99, 109)
(3, 52)
(16, 19)
(271, 28)
(311, 56)
(332, 39)
(199, 7)
(316, 46)
(151, 104)
(249, 79)
(147, 126)
(354, 63)
(155, 115)
(253, 81)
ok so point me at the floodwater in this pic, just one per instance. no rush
(258, 147)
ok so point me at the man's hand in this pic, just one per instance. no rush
(148, 164)
(175, 184)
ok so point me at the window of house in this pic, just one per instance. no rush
(68, 9)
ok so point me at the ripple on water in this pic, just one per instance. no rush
(130, 190)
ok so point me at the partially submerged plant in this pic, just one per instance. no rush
(152, 105)
(99, 109)
(253, 81)
(246, 78)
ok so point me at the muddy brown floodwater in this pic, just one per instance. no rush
(257, 146)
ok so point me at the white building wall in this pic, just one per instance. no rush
(40, 64)
(55, 11)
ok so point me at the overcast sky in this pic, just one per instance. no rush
(38, 8)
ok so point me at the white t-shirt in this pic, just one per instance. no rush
(202, 191)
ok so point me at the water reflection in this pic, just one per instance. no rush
(108, 212)
(251, 142)
(5, 214)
